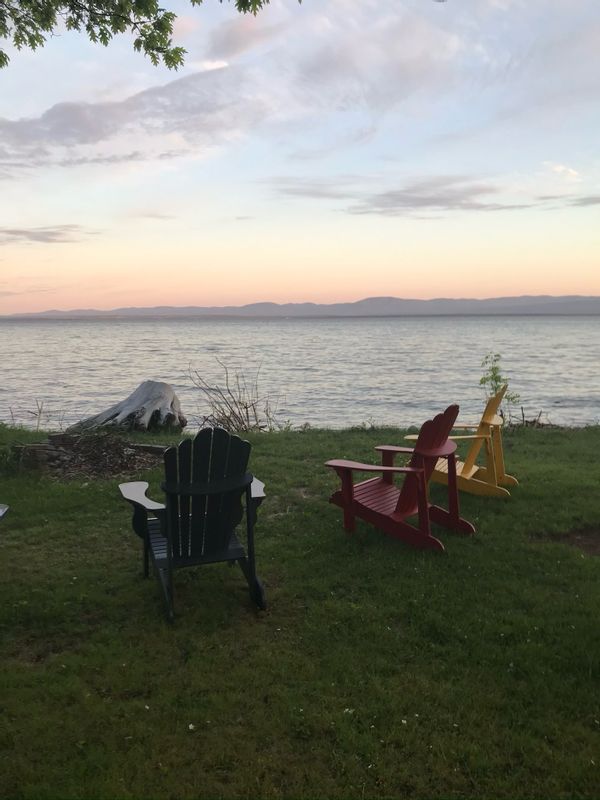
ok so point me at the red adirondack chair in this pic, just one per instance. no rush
(387, 506)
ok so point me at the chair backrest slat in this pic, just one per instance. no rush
(433, 434)
(185, 476)
(218, 471)
(171, 475)
(202, 448)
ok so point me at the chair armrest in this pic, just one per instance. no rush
(440, 452)
(135, 493)
(390, 448)
(338, 464)
(470, 436)
(257, 489)
(414, 436)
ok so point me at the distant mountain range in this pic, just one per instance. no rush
(370, 307)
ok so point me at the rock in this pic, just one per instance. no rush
(152, 406)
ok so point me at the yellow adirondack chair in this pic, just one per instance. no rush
(491, 478)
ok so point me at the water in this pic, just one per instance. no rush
(327, 372)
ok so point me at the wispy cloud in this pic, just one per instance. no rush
(344, 187)
(403, 54)
(27, 291)
(325, 64)
(242, 33)
(57, 234)
(566, 172)
(320, 64)
(589, 200)
(189, 114)
(441, 193)
(150, 214)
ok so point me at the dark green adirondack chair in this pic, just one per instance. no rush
(205, 481)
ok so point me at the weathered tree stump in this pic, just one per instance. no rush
(152, 406)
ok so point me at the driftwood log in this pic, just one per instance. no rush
(152, 406)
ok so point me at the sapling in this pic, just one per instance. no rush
(493, 380)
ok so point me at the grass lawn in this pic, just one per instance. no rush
(378, 670)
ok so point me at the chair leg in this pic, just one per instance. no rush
(146, 558)
(498, 454)
(165, 578)
(248, 563)
(348, 495)
(451, 518)
(442, 517)
(257, 591)
(424, 522)
(349, 521)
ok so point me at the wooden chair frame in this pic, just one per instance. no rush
(158, 524)
(381, 503)
(489, 479)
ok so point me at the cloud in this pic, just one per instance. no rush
(403, 54)
(589, 200)
(435, 194)
(31, 289)
(189, 114)
(57, 234)
(441, 193)
(570, 200)
(184, 25)
(337, 76)
(557, 69)
(203, 65)
(242, 33)
(563, 170)
(326, 64)
(339, 188)
(150, 214)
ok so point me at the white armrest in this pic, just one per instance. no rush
(135, 492)
(257, 489)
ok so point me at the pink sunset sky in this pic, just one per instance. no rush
(322, 152)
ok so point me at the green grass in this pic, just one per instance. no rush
(378, 670)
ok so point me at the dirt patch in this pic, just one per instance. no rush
(101, 455)
(585, 539)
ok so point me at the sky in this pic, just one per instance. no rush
(324, 152)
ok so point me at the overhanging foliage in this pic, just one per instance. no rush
(27, 23)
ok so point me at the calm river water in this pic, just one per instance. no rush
(327, 372)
